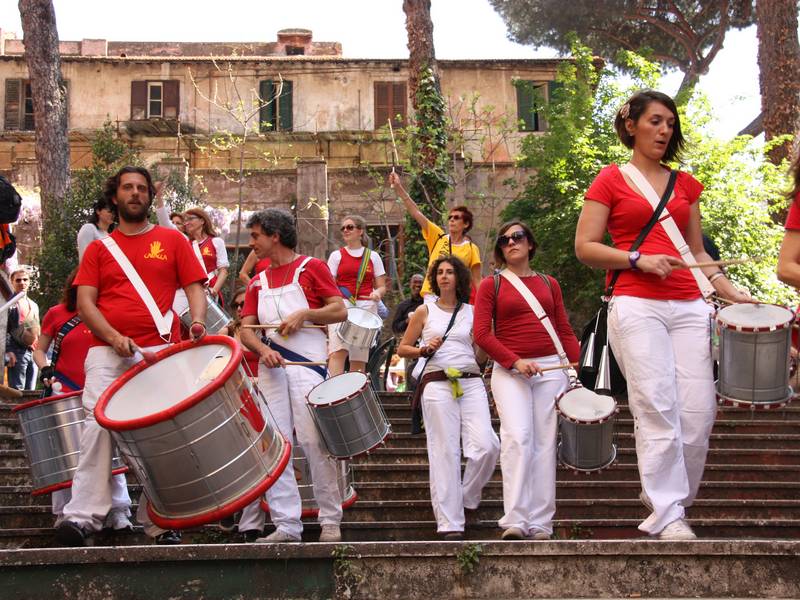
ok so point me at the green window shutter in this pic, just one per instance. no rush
(266, 117)
(553, 88)
(285, 107)
(526, 105)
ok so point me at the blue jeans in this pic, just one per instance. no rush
(22, 376)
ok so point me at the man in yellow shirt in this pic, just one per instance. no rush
(455, 242)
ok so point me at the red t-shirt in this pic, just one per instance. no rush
(164, 260)
(793, 218)
(630, 212)
(262, 264)
(347, 274)
(74, 346)
(518, 333)
(316, 281)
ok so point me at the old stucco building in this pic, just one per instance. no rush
(316, 122)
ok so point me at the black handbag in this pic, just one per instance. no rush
(598, 369)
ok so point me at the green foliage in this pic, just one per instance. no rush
(58, 255)
(741, 188)
(469, 557)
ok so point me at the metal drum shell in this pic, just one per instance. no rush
(305, 485)
(216, 317)
(51, 431)
(204, 458)
(586, 444)
(357, 335)
(351, 425)
(754, 362)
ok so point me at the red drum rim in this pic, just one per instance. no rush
(788, 323)
(358, 392)
(220, 513)
(68, 484)
(312, 513)
(747, 404)
(183, 405)
(41, 401)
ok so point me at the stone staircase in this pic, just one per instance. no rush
(749, 492)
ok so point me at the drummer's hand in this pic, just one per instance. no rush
(739, 295)
(394, 179)
(122, 345)
(271, 358)
(375, 296)
(659, 264)
(292, 323)
(11, 359)
(527, 368)
(434, 344)
(197, 331)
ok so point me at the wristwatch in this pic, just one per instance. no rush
(633, 257)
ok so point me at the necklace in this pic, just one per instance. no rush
(142, 230)
(283, 284)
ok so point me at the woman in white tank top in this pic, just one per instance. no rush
(454, 402)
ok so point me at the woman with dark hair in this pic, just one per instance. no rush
(454, 402)
(63, 373)
(455, 242)
(209, 248)
(658, 322)
(789, 258)
(100, 224)
(524, 340)
(360, 275)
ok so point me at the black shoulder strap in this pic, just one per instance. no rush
(62, 333)
(650, 224)
(496, 278)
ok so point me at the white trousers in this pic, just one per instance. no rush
(663, 349)
(120, 500)
(528, 431)
(93, 485)
(286, 390)
(449, 424)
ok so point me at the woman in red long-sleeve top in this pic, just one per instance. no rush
(524, 395)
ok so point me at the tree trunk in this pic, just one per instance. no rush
(49, 101)
(421, 53)
(779, 70)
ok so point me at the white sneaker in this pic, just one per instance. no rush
(118, 521)
(645, 499)
(513, 533)
(330, 533)
(276, 537)
(676, 531)
(538, 534)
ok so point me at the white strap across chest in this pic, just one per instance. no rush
(669, 225)
(163, 322)
(536, 307)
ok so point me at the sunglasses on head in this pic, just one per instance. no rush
(505, 240)
(348, 227)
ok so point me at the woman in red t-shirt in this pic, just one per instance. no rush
(345, 265)
(525, 396)
(789, 258)
(210, 247)
(658, 322)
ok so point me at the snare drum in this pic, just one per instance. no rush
(586, 422)
(302, 472)
(348, 415)
(51, 430)
(216, 317)
(195, 431)
(360, 329)
(754, 354)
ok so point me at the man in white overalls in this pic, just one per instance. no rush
(294, 292)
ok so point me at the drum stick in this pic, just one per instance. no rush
(276, 325)
(395, 158)
(148, 356)
(556, 368)
(723, 263)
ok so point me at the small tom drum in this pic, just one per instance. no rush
(754, 353)
(195, 431)
(348, 415)
(360, 329)
(586, 422)
(51, 431)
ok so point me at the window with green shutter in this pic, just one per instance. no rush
(276, 112)
(531, 98)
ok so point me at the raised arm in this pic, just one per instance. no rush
(411, 206)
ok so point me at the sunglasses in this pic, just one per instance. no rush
(505, 240)
(455, 218)
(348, 227)
(238, 304)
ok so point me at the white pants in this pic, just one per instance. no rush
(92, 496)
(663, 349)
(448, 423)
(528, 428)
(335, 343)
(120, 500)
(286, 390)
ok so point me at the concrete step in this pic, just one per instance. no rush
(497, 570)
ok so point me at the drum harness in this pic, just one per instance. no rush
(62, 333)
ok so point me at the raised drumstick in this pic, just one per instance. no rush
(395, 158)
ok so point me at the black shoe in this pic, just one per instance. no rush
(70, 534)
(251, 535)
(169, 538)
(453, 536)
